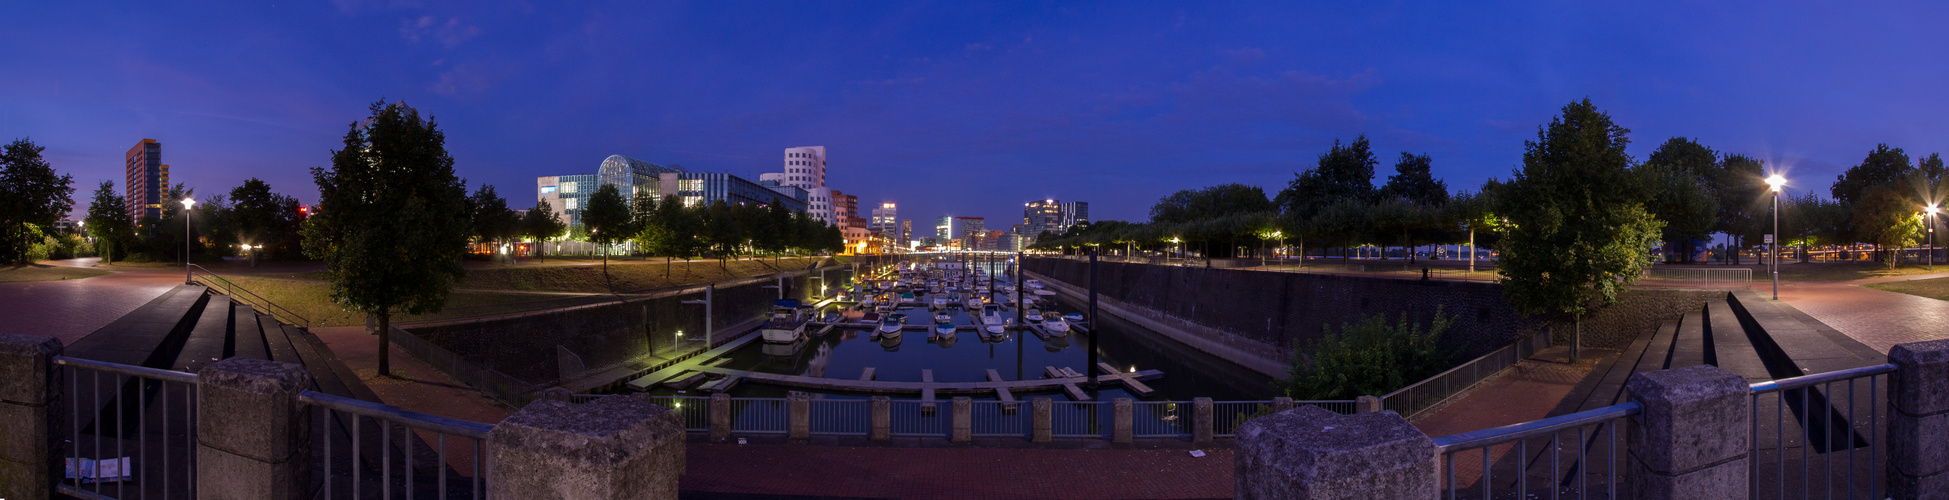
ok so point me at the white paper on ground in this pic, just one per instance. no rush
(1198, 453)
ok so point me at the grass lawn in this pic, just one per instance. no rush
(312, 299)
(37, 272)
(1826, 271)
(1935, 288)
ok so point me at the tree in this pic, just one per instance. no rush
(1475, 212)
(1578, 232)
(261, 217)
(722, 231)
(30, 195)
(1743, 200)
(392, 220)
(642, 221)
(1413, 181)
(1686, 155)
(607, 219)
(1889, 220)
(108, 221)
(1885, 166)
(542, 224)
(490, 219)
(676, 231)
(1344, 172)
(1683, 201)
(1210, 203)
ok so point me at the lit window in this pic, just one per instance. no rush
(569, 203)
(568, 187)
(547, 189)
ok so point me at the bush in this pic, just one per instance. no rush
(54, 247)
(1369, 358)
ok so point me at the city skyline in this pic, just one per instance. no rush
(1122, 105)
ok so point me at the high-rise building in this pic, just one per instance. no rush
(845, 211)
(886, 219)
(805, 168)
(1041, 216)
(146, 187)
(944, 227)
(906, 230)
(969, 225)
(569, 194)
(1075, 213)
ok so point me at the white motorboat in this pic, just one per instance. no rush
(1032, 315)
(1055, 324)
(787, 323)
(974, 302)
(1073, 317)
(892, 324)
(938, 302)
(944, 329)
(942, 317)
(1033, 283)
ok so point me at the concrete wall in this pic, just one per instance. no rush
(1279, 308)
(612, 333)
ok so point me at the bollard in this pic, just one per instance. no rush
(1366, 404)
(1311, 452)
(1201, 421)
(30, 427)
(882, 419)
(252, 440)
(1120, 420)
(720, 416)
(800, 426)
(1694, 435)
(1041, 420)
(1918, 425)
(1281, 403)
(963, 424)
(608, 448)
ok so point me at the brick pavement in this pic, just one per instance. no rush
(879, 472)
(1879, 319)
(1525, 392)
(72, 309)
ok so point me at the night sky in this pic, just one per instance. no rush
(956, 107)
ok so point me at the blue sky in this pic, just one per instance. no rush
(960, 107)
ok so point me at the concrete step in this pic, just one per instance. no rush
(206, 340)
(148, 336)
(1791, 345)
(246, 336)
(1732, 348)
(1688, 347)
(274, 339)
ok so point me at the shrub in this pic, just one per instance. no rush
(1369, 358)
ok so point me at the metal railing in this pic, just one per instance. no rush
(410, 452)
(1711, 277)
(999, 419)
(1811, 422)
(113, 410)
(694, 410)
(238, 293)
(1079, 419)
(760, 416)
(919, 419)
(1160, 419)
(501, 387)
(1412, 400)
(1508, 462)
(839, 417)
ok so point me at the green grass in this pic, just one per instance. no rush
(37, 272)
(1934, 288)
(312, 300)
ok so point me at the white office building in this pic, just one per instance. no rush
(805, 168)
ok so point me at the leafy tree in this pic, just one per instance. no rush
(30, 195)
(1743, 200)
(607, 219)
(1368, 358)
(1578, 231)
(1889, 220)
(261, 217)
(489, 218)
(1686, 155)
(1885, 166)
(108, 221)
(676, 231)
(1684, 201)
(392, 222)
(1210, 203)
(165, 235)
(542, 224)
(642, 220)
(1346, 171)
(1412, 181)
(722, 231)
(1475, 212)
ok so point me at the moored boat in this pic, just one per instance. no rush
(787, 323)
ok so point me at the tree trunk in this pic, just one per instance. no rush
(385, 342)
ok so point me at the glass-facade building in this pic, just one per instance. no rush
(569, 194)
(703, 188)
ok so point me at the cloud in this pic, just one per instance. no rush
(449, 34)
(470, 79)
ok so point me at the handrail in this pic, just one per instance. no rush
(1445, 373)
(130, 370)
(1512, 432)
(1821, 378)
(231, 289)
(398, 415)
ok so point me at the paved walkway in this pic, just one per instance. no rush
(1877, 318)
(860, 472)
(72, 309)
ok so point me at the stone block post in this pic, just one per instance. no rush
(1201, 424)
(799, 423)
(720, 416)
(881, 416)
(961, 428)
(1918, 424)
(252, 437)
(1281, 403)
(611, 448)
(1121, 424)
(1366, 404)
(1694, 438)
(30, 429)
(1315, 453)
(1041, 420)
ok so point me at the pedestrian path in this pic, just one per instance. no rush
(1880, 319)
(800, 471)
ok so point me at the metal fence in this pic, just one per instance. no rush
(1160, 419)
(999, 419)
(1570, 456)
(502, 387)
(695, 410)
(393, 453)
(131, 431)
(1807, 432)
(760, 415)
(1079, 419)
(919, 419)
(1714, 278)
(1412, 400)
(840, 417)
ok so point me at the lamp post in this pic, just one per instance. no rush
(1773, 247)
(187, 203)
(1932, 210)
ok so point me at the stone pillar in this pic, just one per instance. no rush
(1366, 404)
(1318, 454)
(1281, 403)
(720, 416)
(253, 438)
(961, 428)
(1120, 420)
(1201, 423)
(1693, 439)
(800, 416)
(30, 424)
(1918, 425)
(611, 448)
(1041, 420)
(881, 414)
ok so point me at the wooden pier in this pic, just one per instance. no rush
(1067, 381)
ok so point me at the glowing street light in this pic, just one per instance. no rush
(1773, 247)
(187, 204)
(1932, 211)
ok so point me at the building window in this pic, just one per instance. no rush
(547, 189)
(569, 203)
(568, 187)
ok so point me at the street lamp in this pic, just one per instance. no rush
(187, 203)
(1773, 247)
(1932, 210)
